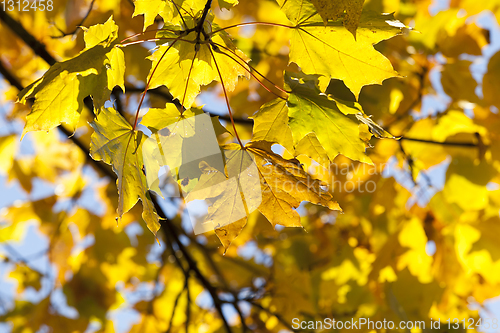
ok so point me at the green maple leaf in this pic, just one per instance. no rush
(311, 123)
(116, 143)
(331, 50)
(184, 71)
(58, 95)
(310, 111)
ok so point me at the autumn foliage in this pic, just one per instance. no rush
(363, 137)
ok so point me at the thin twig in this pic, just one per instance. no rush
(189, 76)
(169, 229)
(78, 26)
(149, 81)
(280, 319)
(253, 23)
(176, 302)
(252, 74)
(210, 260)
(201, 22)
(225, 96)
(19, 258)
(253, 68)
(442, 143)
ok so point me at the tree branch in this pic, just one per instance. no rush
(13, 81)
(37, 47)
(170, 231)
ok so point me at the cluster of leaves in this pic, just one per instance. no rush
(194, 52)
(306, 71)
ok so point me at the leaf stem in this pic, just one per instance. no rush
(178, 11)
(172, 1)
(443, 143)
(250, 23)
(157, 39)
(252, 68)
(149, 81)
(189, 76)
(225, 96)
(253, 75)
(144, 32)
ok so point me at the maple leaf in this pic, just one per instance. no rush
(115, 142)
(170, 10)
(331, 50)
(180, 141)
(318, 124)
(58, 95)
(284, 186)
(271, 124)
(184, 70)
(311, 111)
(232, 195)
(256, 179)
(8, 148)
(310, 146)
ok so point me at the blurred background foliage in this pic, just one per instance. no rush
(417, 239)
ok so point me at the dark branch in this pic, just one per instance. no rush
(13, 81)
(37, 47)
(199, 27)
(170, 231)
